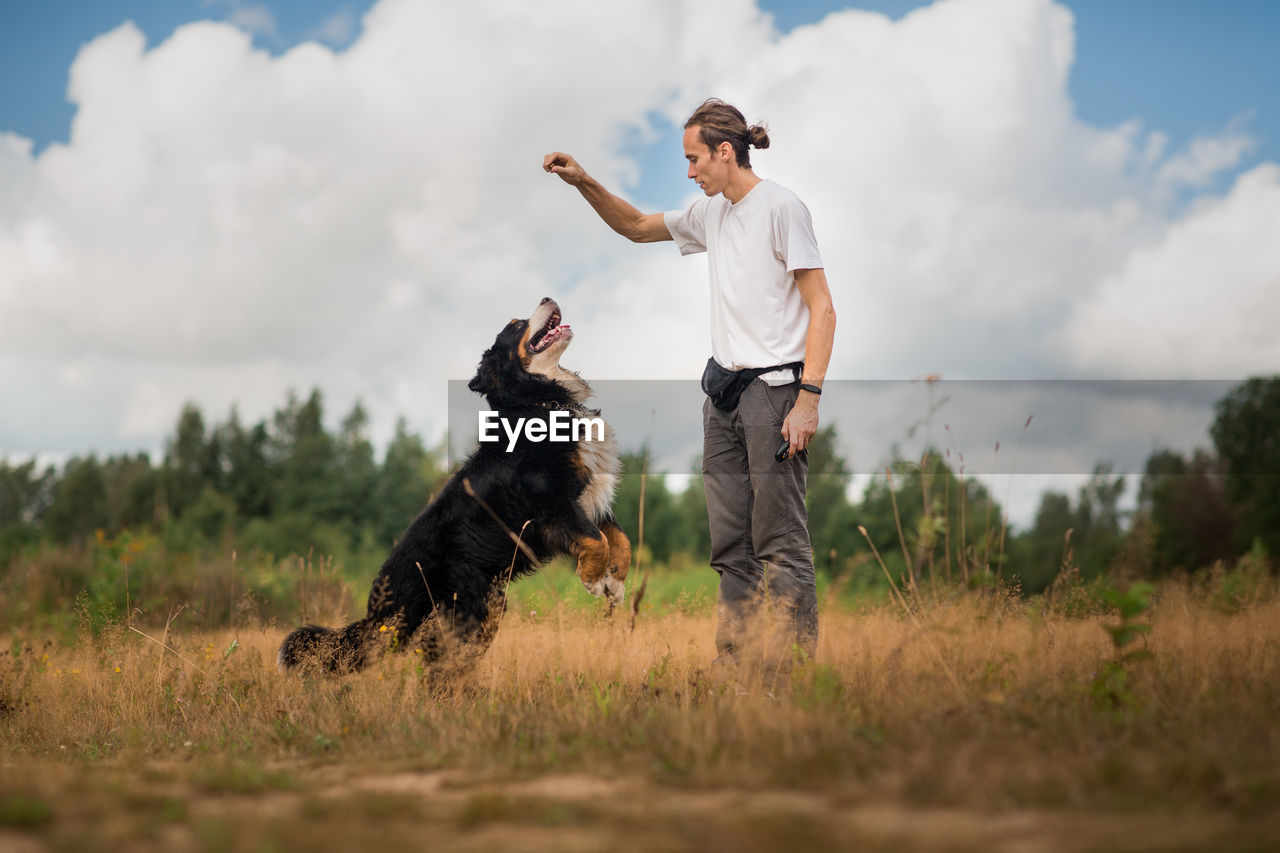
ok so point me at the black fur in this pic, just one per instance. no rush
(443, 584)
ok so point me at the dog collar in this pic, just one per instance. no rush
(575, 408)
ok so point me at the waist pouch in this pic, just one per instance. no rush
(725, 386)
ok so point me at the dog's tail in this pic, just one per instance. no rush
(337, 651)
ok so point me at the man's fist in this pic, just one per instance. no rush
(559, 163)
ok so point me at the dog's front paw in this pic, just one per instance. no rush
(614, 589)
(608, 586)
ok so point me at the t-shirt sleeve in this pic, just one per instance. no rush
(793, 239)
(688, 227)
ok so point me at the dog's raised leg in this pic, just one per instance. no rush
(594, 562)
(592, 553)
(619, 560)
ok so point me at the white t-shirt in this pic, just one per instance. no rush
(753, 249)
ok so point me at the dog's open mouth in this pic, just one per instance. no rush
(549, 333)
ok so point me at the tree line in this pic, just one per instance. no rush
(287, 484)
(283, 485)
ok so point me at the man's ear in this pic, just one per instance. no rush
(725, 151)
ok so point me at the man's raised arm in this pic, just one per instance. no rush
(617, 213)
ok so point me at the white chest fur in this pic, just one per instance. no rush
(600, 459)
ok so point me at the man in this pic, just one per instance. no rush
(770, 308)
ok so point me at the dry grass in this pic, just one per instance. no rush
(972, 725)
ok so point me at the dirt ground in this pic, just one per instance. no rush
(336, 808)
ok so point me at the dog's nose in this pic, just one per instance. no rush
(545, 300)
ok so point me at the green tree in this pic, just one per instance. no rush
(247, 473)
(693, 529)
(1099, 520)
(1037, 554)
(24, 496)
(922, 516)
(1096, 526)
(826, 502)
(1184, 502)
(1246, 434)
(305, 461)
(410, 474)
(661, 514)
(132, 486)
(355, 473)
(191, 461)
(79, 505)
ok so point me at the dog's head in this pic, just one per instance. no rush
(523, 365)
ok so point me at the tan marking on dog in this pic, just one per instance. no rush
(522, 348)
(593, 562)
(619, 551)
(619, 563)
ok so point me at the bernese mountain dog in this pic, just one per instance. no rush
(512, 506)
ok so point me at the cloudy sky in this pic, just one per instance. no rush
(218, 201)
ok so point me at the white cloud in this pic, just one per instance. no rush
(337, 30)
(224, 224)
(1205, 159)
(254, 18)
(1202, 302)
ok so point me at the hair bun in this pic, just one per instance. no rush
(758, 135)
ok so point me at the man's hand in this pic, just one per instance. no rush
(559, 163)
(801, 423)
(618, 214)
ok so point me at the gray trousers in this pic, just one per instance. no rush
(759, 529)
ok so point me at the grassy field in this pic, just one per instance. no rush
(958, 720)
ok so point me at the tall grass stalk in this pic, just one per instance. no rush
(1008, 495)
(955, 683)
(910, 579)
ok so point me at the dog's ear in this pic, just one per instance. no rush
(498, 361)
(486, 379)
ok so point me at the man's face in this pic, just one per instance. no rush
(710, 169)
